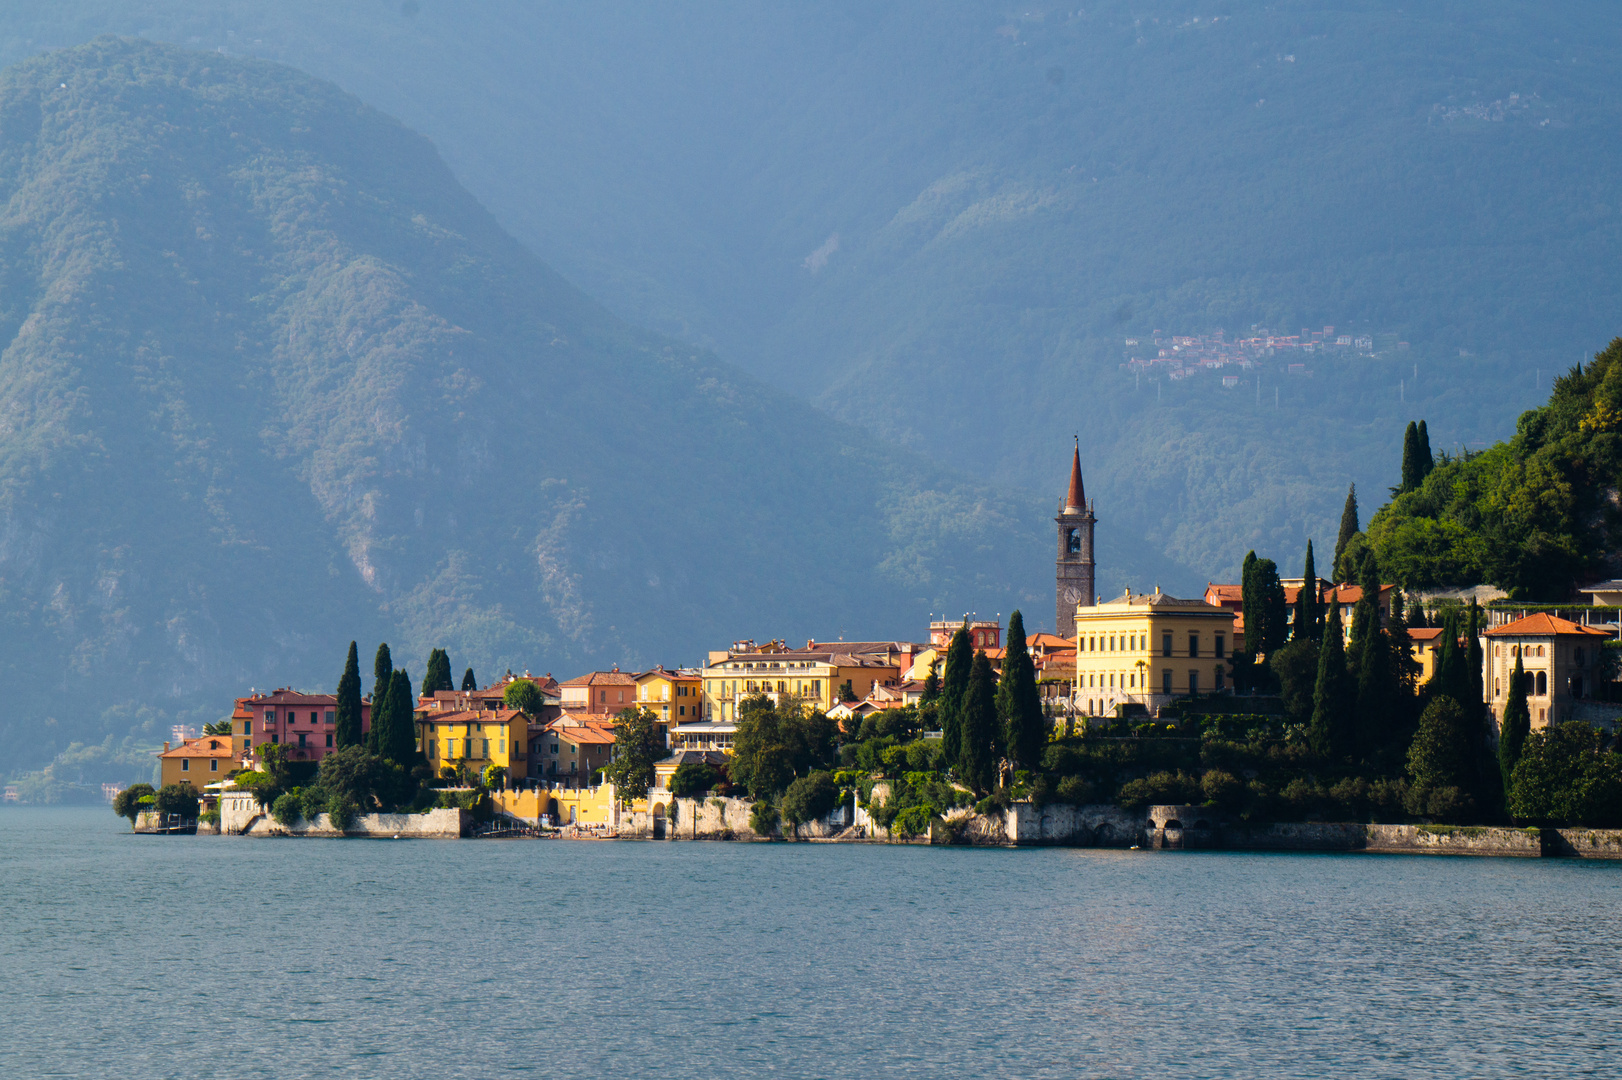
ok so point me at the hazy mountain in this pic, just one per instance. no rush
(942, 220)
(272, 379)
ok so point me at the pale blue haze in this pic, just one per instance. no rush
(189, 957)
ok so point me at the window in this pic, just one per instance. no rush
(270, 716)
(1218, 649)
(1165, 675)
(213, 764)
(247, 744)
(313, 716)
(302, 740)
(486, 749)
(185, 764)
(330, 716)
(622, 697)
(1543, 683)
(329, 740)
(681, 710)
(554, 748)
(1193, 644)
(1216, 678)
(1193, 682)
(247, 727)
(1165, 650)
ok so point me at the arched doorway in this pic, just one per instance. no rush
(658, 821)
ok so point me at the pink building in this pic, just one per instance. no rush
(304, 722)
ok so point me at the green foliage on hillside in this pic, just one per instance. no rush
(273, 380)
(1534, 515)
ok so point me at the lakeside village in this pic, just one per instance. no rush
(1179, 356)
(1273, 712)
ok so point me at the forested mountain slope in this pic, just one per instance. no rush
(942, 221)
(272, 380)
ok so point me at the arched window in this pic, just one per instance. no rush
(1540, 650)
(1543, 683)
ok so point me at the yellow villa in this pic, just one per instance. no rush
(1149, 649)
(672, 696)
(814, 676)
(476, 738)
(198, 762)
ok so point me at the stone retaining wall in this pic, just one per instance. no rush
(433, 825)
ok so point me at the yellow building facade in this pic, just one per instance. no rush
(477, 739)
(675, 697)
(566, 806)
(814, 677)
(1149, 649)
(198, 762)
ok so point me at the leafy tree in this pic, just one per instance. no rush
(525, 696)
(127, 803)
(346, 727)
(1516, 726)
(845, 692)
(437, 675)
(977, 756)
(959, 659)
(692, 779)
(1566, 776)
(1296, 669)
(287, 809)
(809, 798)
(1019, 703)
(220, 727)
(469, 683)
(1334, 696)
(763, 817)
(775, 743)
(178, 799)
(636, 748)
(364, 778)
(342, 812)
(1348, 529)
(1441, 751)
(496, 775)
(932, 682)
(1308, 617)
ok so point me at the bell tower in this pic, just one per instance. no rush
(1074, 577)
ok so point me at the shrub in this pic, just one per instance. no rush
(178, 799)
(312, 801)
(211, 817)
(1075, 791)
(1159, 788)
(692, 780)
(496, 775)
(894, 759)
(809, 798)
(913, 821)
(286, 809)
(341, 812)
(924, 755)
(1222, 789)
(763, 817)
(127, 803)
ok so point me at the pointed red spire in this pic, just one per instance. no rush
(1076, 499)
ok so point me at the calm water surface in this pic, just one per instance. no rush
(142, 956)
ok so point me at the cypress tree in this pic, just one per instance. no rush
(1334, 696)
(976, 758)
(1449, 678)
(1517, 725)
(1376, 671)
(1307, 615)
(398, 741)
(1250, 604)
(382, 676)
(1275, 612)
(1019, 703)
(1477, 701)
(1366, 615)
(1416, 613)
(468, 681)
(1348, 527)
(346, 724)
(932, 682)
(959, 661)
(1426, 461)
(437, 675)
(1404, 666)
(1412, 472)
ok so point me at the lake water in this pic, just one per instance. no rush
(138, 956)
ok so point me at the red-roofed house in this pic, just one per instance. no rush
(198, 762)
(1561, 659)
(599, 692)
(304, 722)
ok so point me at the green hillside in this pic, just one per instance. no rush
(272, 379)
(940, 221)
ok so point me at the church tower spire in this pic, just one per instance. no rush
(1074, 574)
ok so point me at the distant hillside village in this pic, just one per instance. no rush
(1176, 356)
(1270, 699)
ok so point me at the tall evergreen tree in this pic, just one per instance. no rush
(1405, 667)
(1412, 470)
(346, 724)
(1426, 461)
(1416, 613)
(437, 675)
(1376, 668)
(1348, 527)
(382, 677)
(1275, 611)
(1307, 616)
(1019, 703)
(1335, 695)
(1475, 705)
(976, 759)
(1517, 725)
(1449, 678)
(1250, 604)
(398, 740)
(959, 661)
(468, 681)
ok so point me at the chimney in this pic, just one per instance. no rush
(166, 747)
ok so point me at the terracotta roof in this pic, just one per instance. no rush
(471, 716)
(1076, 497)
(1542, 624)
(680, 674)
(602, 678)
(206, 746)
(1049, 641)
(289, 697)
(582, 734)
(1424, 634)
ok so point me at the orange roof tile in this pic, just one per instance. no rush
(206, 746)
(1542, 624)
